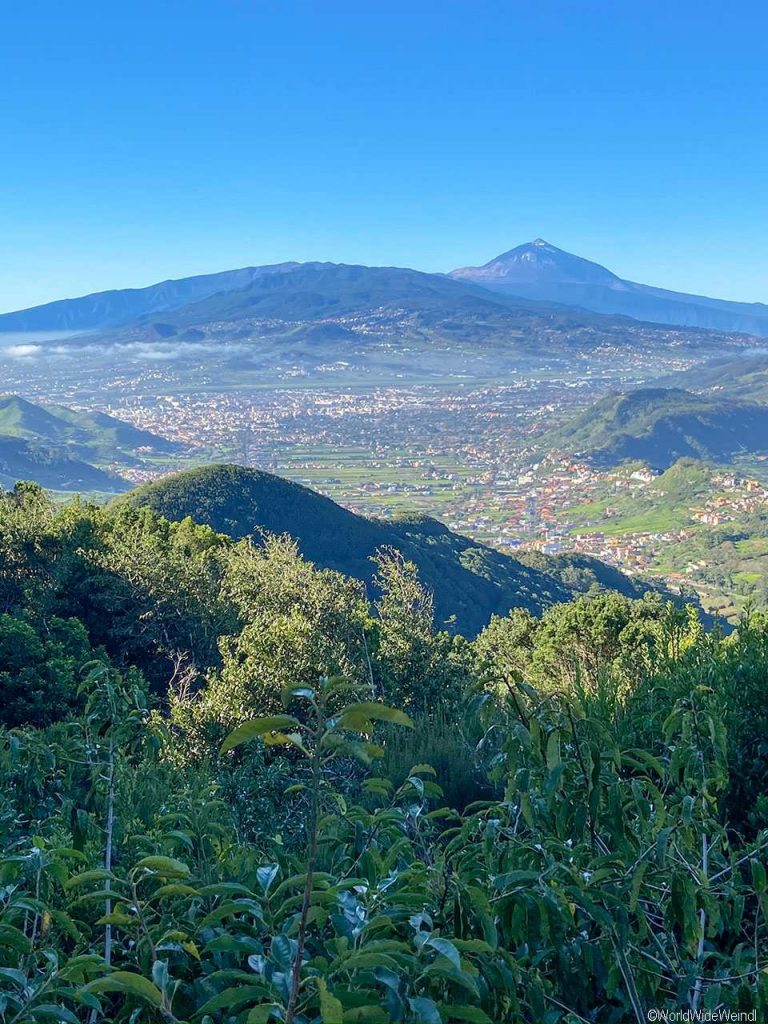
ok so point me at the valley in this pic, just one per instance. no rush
(397, 393)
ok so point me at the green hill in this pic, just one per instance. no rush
(660, 425)
(52, 468)
(88, 435)
(469, 580)
(743, 376)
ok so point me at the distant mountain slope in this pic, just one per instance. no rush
(327, 309)
(661, 425)
(313, 291)
(22, 459)
(470, 581)
(744, 376)
(287, 291)
(538, 270)
(111, 308)
(84, 434)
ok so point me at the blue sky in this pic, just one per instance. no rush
(163, 138)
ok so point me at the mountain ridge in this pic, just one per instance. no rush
(541, 271)
(536, 276)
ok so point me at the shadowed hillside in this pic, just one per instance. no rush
(469, 581)
(51, 468)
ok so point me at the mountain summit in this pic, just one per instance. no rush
(539, 270)
(537, 261)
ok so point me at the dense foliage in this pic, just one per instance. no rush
(235, 790)
(469, 582)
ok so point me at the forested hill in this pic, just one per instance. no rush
(52, 468)
(469, 581)
(660, 426)
(66, 449)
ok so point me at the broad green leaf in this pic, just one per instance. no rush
(637, 881)
(129, 984)
(261, 1014)
(472, 946)
(164, 867)
(13, 938)
(122, 920)
(553, 750)
(232, 998)
(331, 1009)
(51, 1011)
(257, 727)
(14, 975)
(97, 875)
(241, 944)
(174, 889)
(266, 875)
(471, 1014)
(359, 717)
(447, 949)
(424, 1010)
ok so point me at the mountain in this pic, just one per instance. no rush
(541, 271)
(312, 312)
(52, 468)
(288, 291)
(89, 435)
(310, 292)
(112, 308)
(660, 425)
(469, 581)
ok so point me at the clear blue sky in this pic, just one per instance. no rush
(160, 138)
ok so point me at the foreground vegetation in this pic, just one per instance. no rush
(235, 790)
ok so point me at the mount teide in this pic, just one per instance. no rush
(539, 270)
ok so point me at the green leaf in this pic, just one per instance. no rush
(471, 1014)
(331, 1009)
(232, 998)
(511, 878)
(447, 949)
(553, 750)
(53, 1012)
(14, 938)
(261, 1014)
(266, 875)
(226, 889)
(164, 867)
(241, 944)
(359, 717)
(14, 975)
(122, 920)
(472, 946)
(758, 876)
(637, 881)
(174, 889)
(257, 727)
(97, 875)
(425, 1010)
(129, 984)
